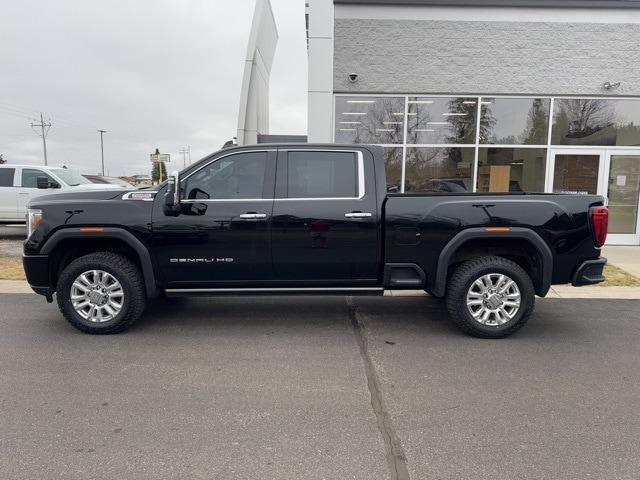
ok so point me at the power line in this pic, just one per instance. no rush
(44, 129)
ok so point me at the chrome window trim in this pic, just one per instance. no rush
(361, 177)
(211, 200)
(275, 289)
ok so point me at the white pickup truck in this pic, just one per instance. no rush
(20, 183)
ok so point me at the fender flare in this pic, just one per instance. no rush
(110, 232)
(440, 282)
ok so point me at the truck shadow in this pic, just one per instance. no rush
(422, 316)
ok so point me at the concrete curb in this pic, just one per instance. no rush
(14, 286)
(559, 291)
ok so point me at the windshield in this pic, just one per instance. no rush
(70, 177)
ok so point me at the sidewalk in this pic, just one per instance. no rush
(625, 257)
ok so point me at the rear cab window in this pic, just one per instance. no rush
(323, 174)
(6, 177)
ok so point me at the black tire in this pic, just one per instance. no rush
(463, 278)
(124, 270)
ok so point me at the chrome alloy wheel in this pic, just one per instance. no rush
(97, 296)
(493, 299)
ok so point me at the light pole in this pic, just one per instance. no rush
(102, 132)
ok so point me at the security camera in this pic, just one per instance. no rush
(353, 77)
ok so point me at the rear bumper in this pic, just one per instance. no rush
(36, 267)
(589, 273)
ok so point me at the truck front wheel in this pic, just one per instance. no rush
(490, 297)
(101, 293)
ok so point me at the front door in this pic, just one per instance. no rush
(221, 237)
(325, 218)
(623, 190)
(29, 187)
(613, 173)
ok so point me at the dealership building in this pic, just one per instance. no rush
(485, 95)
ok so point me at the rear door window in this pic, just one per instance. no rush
(322, 174)
(6, 177)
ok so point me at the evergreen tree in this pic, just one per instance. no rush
(2, 160)
(159, 171)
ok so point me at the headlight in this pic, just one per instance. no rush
(34, 217)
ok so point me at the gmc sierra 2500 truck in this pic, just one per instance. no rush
(308, 219)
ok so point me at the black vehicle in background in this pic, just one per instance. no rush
(308, 219)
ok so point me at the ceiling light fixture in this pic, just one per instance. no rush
(354, 113)
(454, 114)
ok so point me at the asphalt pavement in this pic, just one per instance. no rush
(320, 388)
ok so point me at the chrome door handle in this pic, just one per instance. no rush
(253, 216)
(357, 215)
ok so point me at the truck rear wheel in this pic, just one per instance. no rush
(490, 297)
(101, 293)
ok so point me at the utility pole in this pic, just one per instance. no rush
(102, 132)
(43, 133)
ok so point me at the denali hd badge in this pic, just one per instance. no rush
(201, 260)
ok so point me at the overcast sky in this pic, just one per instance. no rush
(153, 73)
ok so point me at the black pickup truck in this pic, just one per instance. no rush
(308, 219)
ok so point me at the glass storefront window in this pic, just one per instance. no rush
(511, 169)
(590, 121)
(576, 173)
(369, 120)
(434, 120)
(514, 121)
(446, 169)
(393, 168)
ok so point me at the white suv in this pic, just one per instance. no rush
(20, 183)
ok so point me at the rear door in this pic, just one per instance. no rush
(325, 218)
(8, 195)
(221, 237)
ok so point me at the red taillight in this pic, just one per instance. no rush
(599, 225)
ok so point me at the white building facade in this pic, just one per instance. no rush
(486, 95)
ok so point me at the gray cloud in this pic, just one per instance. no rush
(152, 73)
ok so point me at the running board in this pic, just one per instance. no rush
(175, 292)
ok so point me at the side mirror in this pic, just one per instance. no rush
(172, 197)
(42, 182)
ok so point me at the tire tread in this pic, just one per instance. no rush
(137, 297)
(456, 294)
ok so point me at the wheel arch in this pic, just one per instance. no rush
(522, 245)
(107, 239)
